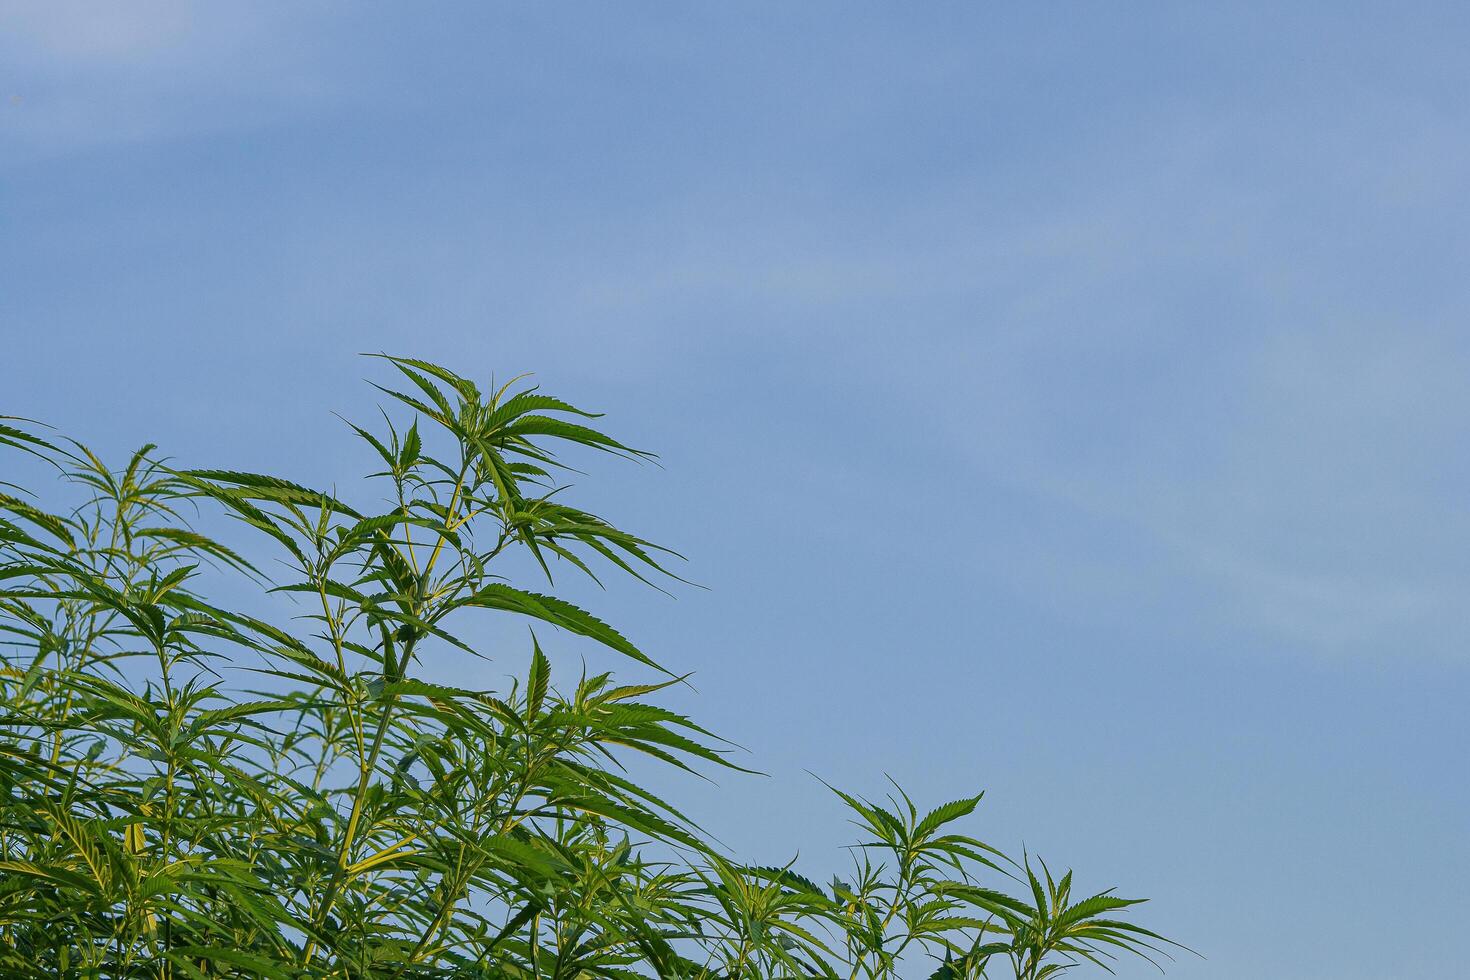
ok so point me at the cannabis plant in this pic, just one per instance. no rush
(221, 755)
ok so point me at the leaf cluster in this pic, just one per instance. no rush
(192, 787)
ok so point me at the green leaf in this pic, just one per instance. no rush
(557, 612)
(536, 683)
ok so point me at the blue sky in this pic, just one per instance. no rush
(1067, 400)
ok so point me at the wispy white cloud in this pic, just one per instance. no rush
(77, 34)
(1218, 366)
(80, 75)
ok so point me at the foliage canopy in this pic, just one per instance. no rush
(194, 788)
